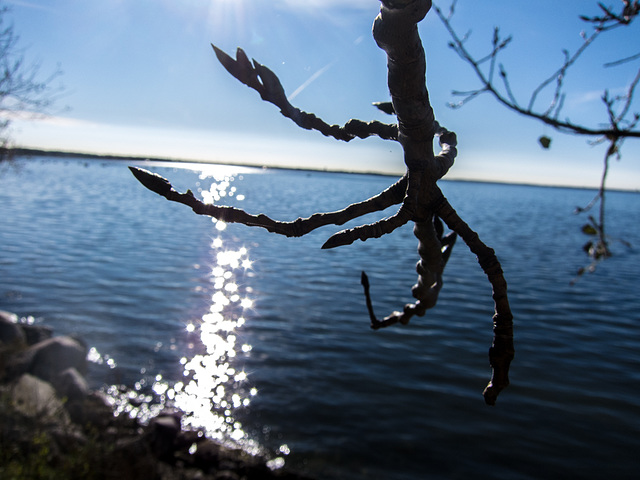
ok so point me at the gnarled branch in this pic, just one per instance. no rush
(296, 228)
(267, 84)
(550, 115)
(395, 31)
(620, 123)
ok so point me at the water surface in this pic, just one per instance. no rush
(265, 340)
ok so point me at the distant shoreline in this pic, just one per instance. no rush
(26, 152)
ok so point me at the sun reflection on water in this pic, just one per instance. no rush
(212, 387)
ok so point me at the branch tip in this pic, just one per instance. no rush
(364, 280)
(152, 181)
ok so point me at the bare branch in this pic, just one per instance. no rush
(372, 230)
(502, 351)
(623, 60)
(408, 212)
(611, 19)
(550, 116)
(395, 31)
(468, 97)
(628, 100)
(267, 84)
(297, 228)
(507, 85)
(22, 87)
(435, 251)
(558, 75)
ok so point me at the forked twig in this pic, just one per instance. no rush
(421, 201)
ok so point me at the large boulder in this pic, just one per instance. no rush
(36, 398)
(11, 332)
(48, 359)
(37, 333)
(74, 389)
(70, 384)
(162, 434)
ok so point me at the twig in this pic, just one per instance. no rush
(502, 351)
(267, 84)
(551, 115)
(297, 228)
(395, 31)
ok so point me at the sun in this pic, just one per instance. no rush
(228, 17)
(220, 18)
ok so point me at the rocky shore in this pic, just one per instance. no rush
(52, 425)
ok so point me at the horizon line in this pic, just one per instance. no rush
(27, 151)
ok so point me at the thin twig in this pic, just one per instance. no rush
(551, 115)
(395, 31)
(502, 351)
(297, 228)
(267, 84)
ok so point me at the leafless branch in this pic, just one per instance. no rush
(297, 228)
(267, 84)
(618, 128)
(630, 58)
(551, 114)
(395, 31)
(23, 89)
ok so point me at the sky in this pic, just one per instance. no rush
(140, 78)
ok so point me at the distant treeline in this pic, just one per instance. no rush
(35, 152)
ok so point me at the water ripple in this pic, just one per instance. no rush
(265, 340)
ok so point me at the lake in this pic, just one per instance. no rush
(264, 340)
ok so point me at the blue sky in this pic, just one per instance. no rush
(141, 79)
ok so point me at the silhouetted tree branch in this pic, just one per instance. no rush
(421, 201)
(620, 123)
(267, 84)
(22, 91)
(620, 126)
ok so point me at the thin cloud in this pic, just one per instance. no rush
(41, 118)
(592, 96)
(310, 80)
(67, 122)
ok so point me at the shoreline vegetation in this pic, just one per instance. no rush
(52, 426)
(34, 152)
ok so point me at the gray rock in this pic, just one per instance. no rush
(37, 333)
(94, 410)
(8, 316)
(207, 455)
(72, 387)
(226, 475)
(163, 431)
(130, 457)
(70, 384)
(37, 399)
(11, 332)
(48, 359)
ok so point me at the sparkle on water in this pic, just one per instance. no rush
(212, 388)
